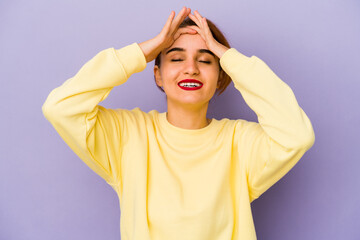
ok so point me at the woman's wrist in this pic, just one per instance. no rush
(151, 48)
(145, 51)
(219, 49)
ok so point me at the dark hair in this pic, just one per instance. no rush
(218, 36)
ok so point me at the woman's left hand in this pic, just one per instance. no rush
(204, 31)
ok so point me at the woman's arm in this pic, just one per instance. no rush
(92, 131)
(270, 148)
(284, 133)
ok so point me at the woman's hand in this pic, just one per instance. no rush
(170, 32)
(203, 29)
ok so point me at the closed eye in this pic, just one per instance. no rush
(178, 60)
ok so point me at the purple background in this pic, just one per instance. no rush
(47, 192)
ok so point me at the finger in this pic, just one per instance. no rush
(195, 28)
(198, 16)
(185, 30)
(177, 35)
(181, 16)
(168, 21)
(188, 10)
(207, 30)
(196, 12)
(199, 31)
(185, 14)
(192, 17)
(206, 26)
(177, 21)
(175, 25)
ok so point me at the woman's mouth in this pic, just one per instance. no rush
(190, 84)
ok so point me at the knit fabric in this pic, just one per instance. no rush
(175, 183)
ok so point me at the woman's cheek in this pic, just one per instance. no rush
(175, 71)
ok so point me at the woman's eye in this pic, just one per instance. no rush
(178, 60)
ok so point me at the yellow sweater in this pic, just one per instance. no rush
(176, 183)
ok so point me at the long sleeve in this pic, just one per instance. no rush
(92, 131)
(271, 147)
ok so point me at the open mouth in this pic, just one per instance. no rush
(190, 84)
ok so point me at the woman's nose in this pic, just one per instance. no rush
(191, 67)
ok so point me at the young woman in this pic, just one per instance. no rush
(179, 174)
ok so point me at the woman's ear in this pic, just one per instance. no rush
(218, 83)
(157, 76)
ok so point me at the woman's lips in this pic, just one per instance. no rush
(190, 88)
(190, 81)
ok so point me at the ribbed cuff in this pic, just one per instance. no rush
(233, 59)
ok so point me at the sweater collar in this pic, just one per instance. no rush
(186, 137)
(163, 119)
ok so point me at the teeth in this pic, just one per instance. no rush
(190, 84)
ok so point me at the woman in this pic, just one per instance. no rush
(178, 174)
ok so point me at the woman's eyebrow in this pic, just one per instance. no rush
(183, 50)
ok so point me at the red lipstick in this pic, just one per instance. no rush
(193, 84)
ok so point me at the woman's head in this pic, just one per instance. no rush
(162, 60)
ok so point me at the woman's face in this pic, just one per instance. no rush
(188, 58)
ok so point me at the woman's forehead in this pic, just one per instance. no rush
(189, 42)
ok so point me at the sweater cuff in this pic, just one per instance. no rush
(131, 58)
(232, 59)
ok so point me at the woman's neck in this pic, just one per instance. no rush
(188, 118)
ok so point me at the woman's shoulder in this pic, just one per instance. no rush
(236, 122)
(138, 115)
(240, 125)
(135, 113)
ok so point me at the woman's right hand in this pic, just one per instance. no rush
(170, 32)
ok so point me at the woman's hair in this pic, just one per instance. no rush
(218, 36)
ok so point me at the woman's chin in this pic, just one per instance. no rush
(189, 101)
